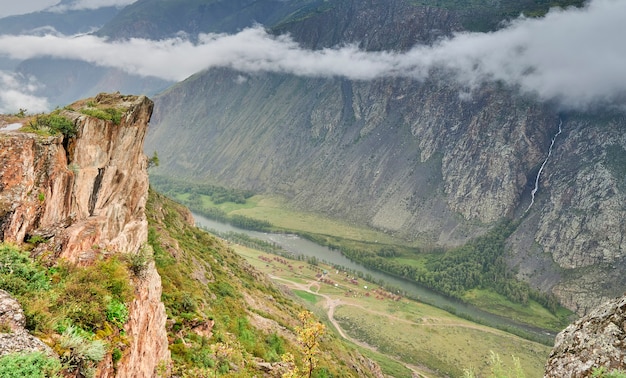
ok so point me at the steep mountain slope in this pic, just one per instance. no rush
(166, 18)
(215, 300)
(412, 158)
(69, 22)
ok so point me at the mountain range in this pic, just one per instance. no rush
(434, 122)
(427, 157)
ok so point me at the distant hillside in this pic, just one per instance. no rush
(414, 159)
(69, 22)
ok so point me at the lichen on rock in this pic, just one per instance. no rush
(594, 341)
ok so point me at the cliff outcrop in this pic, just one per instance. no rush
(595, 341)
(82, 194)
(83, 197)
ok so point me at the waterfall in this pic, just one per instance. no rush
(536, 188)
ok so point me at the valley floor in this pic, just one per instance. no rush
(426, 340)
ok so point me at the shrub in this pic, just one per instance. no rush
(602, 372)
(54, 124)
(116, 355)
(88, 292)
(138, 262)
(37, 239)
(117, 313)
(18, 273)
(32, 365)
(107, 114)
(79, 352)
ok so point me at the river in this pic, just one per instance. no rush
(300, 246)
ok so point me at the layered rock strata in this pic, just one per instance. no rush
(85, 196)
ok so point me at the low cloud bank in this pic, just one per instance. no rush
(574, 56)
(18, 92)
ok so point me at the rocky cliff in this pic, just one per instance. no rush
(83, 197)
(593, 342)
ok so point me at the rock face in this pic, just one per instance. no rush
(14, 338)
(149, 345)
(594, 341)
(86, 196)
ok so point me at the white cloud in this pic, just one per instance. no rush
(90, 4)
(576, 56)
(18, 93)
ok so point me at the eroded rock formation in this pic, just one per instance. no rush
(594, 341)
(85, 196)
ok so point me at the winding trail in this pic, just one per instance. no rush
(536, 188)
(330, 304)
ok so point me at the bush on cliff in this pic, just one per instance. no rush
(52, 124)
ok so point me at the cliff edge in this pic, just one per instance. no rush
(81, 197)
(596, 341)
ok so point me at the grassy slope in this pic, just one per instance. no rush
(205, 281)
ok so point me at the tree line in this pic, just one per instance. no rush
(477, 264)
(217, 194)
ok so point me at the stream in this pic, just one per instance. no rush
(300, 246)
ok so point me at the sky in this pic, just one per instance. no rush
(576, 57)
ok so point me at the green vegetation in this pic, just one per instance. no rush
(108, 114)
(305, 295)
(80, 352)
(216, 194)
(208, 286)
(82, 310)
(154, 160)
(463, 273)
(499, 369)
(603, 372)
(51, 124)
(447, 343)
(475, 272)
(31, 365)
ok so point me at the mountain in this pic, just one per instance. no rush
(168, 18)
(114, 280)
(67, 22)
(413, 158)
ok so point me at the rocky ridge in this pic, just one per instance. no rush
(85, 197)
